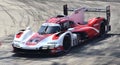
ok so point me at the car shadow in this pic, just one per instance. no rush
(32, 55)
(84, 48)
(36, 56)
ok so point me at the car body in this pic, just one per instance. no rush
(58, 34)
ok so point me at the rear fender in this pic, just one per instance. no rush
(95, 21)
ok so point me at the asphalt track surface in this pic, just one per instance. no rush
(18, 14)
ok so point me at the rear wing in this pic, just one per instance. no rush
(103, 10)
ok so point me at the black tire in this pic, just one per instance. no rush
(102, 28)
(67, 43)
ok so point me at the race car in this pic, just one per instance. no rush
(62, 32)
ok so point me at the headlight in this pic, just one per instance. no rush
(48, 46)
(18, 42)
(16, 45)
(45, 47)
(51, 46)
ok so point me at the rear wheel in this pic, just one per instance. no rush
(67, 43)
(102, 28)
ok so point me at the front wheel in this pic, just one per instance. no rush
(67, 43)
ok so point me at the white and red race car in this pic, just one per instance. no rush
(59, 34)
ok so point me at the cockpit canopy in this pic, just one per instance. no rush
(49, 28)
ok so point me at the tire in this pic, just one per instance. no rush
(67, 43)
(102, 28)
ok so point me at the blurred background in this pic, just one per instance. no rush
(19, 14)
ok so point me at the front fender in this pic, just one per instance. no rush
(61, 38)
(23, 36)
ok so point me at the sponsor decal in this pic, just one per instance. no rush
(31, 43)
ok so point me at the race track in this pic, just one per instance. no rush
(18, 14)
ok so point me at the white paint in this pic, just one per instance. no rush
(50, 24)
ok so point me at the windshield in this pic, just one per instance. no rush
(48, 29)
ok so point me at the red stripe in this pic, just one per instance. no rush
(39, 37)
